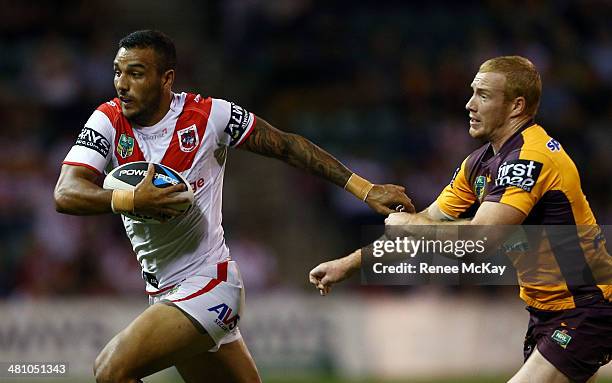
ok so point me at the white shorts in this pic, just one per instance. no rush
(214, 298)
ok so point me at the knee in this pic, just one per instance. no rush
(248, 379)
(252, 378)
(102, 369)
(107, 371)
(520, 378)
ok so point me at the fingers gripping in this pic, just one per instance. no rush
(320, 279)
(150, 173)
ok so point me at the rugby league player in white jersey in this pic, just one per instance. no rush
(195, 290)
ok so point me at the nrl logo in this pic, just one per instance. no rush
(479, 186)
(561, 337)
(125, 146)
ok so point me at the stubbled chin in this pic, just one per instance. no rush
(127, 112)
(475, 133)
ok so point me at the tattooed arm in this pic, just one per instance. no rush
(296, 151)
(303, 154)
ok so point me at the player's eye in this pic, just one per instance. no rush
(136, 74)
(117, 73)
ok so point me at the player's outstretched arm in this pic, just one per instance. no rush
(77, 193)
(303, 154)
(326, 274)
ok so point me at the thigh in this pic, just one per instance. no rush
(576, 341)
(538, 369)
(155, 340)
(231, 364)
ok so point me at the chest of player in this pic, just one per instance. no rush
(500, 172)
(179, 142)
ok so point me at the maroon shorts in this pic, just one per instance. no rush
(576, 341)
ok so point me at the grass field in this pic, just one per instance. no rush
(486, 379)
(311, 379)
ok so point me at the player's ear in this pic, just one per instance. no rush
(168, 79)
(518, 106)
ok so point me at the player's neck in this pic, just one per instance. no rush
(504, 133)
(159, 113)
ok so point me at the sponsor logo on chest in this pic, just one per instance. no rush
(152, 137)
(522, 174)
(197, 185)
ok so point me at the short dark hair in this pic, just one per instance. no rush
(156, 40)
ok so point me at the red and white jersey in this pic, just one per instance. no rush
(192, 139)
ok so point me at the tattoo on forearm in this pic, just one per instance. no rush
(296, 151)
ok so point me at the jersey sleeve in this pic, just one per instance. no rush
(457, 197)
(521, 182)
(232, 123)
(92, 148)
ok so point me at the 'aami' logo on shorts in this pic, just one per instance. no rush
(224, 318)
(519, 173)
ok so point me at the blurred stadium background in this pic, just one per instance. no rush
(382, 85)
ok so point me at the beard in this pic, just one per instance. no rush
(145, 110)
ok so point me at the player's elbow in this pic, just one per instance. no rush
(62, 200)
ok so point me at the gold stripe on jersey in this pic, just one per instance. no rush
(457, 197)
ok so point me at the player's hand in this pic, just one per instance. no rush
(155, 202)
(397, 219)
(328, 273)
(385, 199)
(399, 224)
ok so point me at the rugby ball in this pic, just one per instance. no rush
(127, 176)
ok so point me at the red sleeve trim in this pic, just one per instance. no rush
(111, 109)
(244, 138)
(83, 165)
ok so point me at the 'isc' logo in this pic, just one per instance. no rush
(224, 318)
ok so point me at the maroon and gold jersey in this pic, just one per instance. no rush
(532, 173)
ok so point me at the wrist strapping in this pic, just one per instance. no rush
(358, 186)
(122, 201)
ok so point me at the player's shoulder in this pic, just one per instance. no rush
(196, 100)
(539, 145)
(193, 99)
(478, 153)
(473, 161)
(538, 154)
(111, 108)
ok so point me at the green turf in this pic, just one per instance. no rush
(312, 379)
(485, 379)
